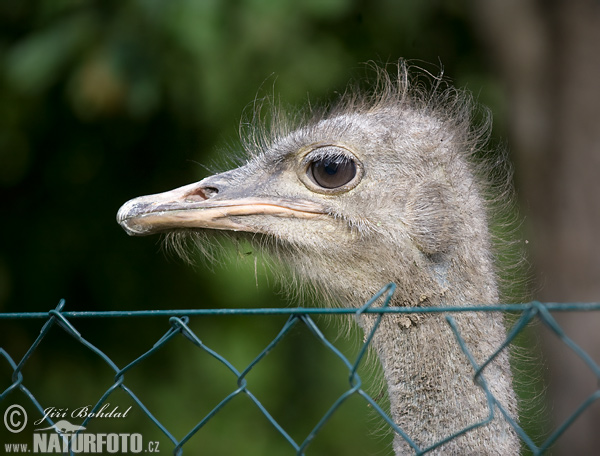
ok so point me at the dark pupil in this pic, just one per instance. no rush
(330, 168)
(333, 173)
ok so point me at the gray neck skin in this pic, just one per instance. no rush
(431, 388)
(430, 380)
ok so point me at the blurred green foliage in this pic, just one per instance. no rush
(102, 101)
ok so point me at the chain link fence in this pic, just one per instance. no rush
(70, 441)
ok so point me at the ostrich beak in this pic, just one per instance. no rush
(200, 205)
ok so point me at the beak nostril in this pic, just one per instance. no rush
(202, 193)
(209, 192)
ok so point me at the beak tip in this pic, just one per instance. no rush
(134, 229)
(127, 215)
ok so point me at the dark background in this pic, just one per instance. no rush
(102, 101)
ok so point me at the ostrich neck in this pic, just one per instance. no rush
(430, 380)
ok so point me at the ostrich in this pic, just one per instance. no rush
(382, 187)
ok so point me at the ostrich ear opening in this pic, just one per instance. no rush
(431, 218)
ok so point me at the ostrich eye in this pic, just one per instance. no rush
(332, 172)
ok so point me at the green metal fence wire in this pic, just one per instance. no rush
(179, 327)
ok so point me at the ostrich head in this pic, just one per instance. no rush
(380, 188)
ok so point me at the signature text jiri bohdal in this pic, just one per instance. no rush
(83, 412)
